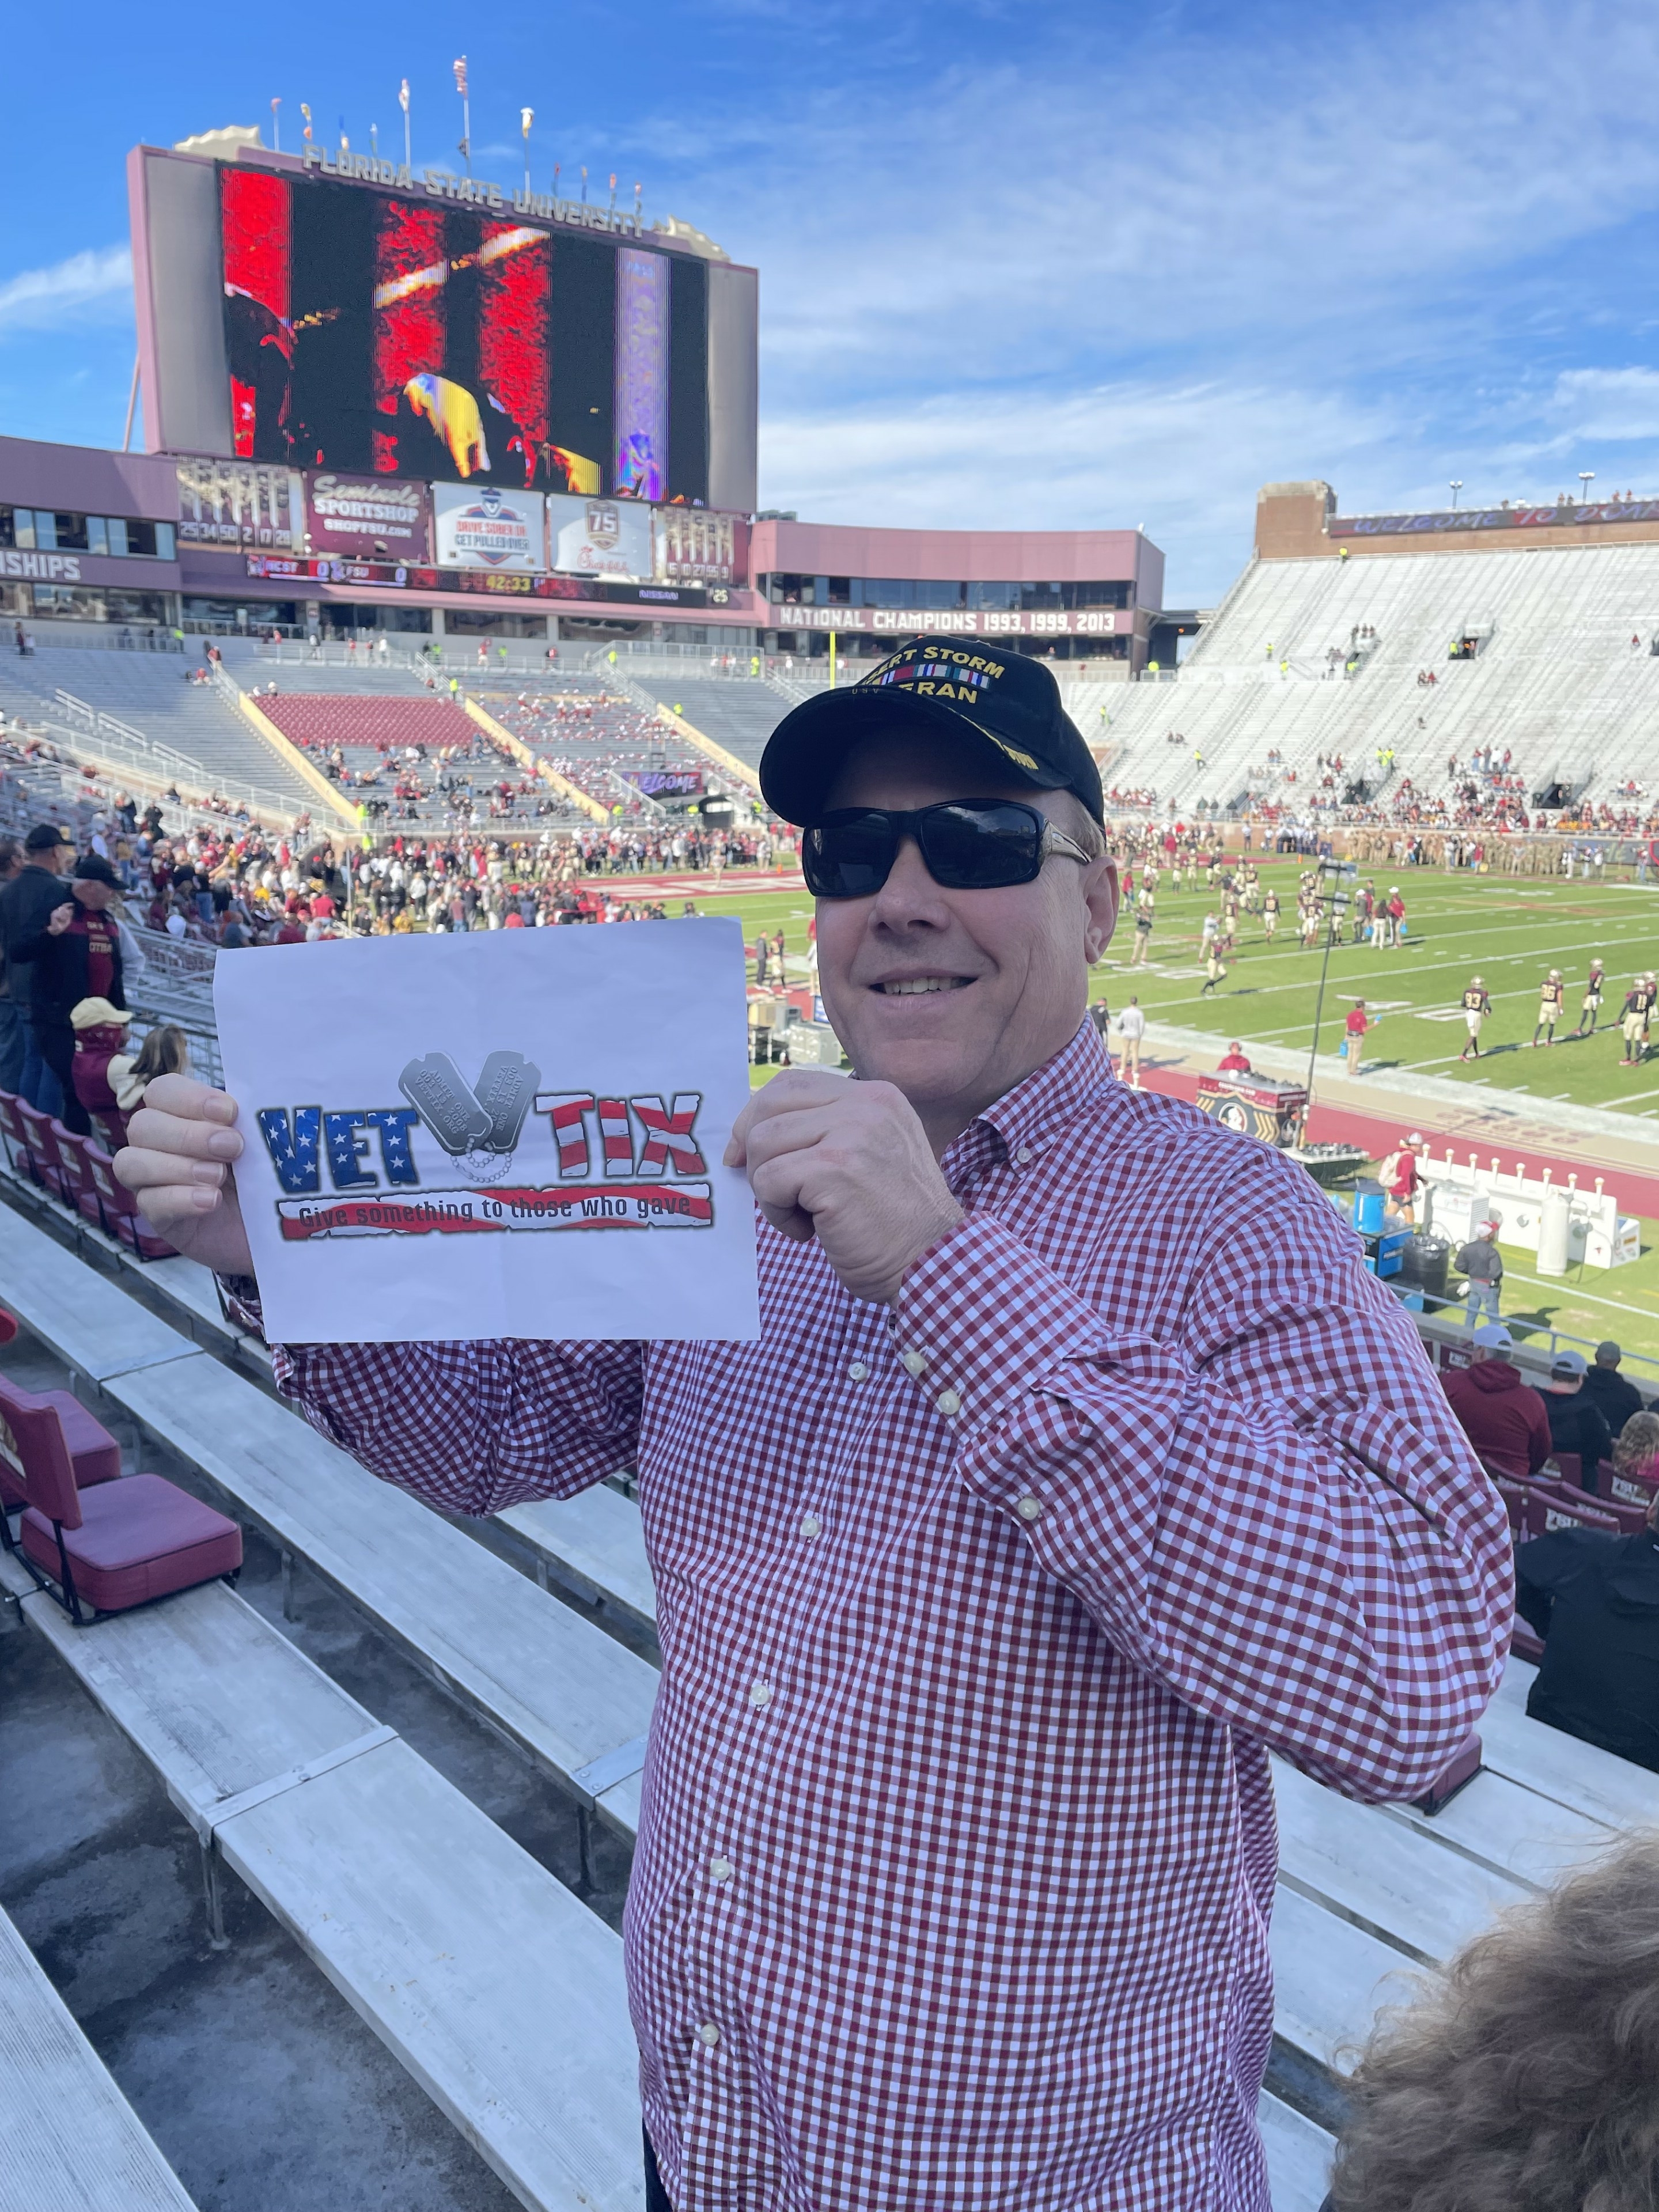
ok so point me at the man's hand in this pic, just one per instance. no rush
(60, 918)
(849, 1163)
(176, 1163)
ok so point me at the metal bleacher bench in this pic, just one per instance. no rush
(1368, 1895)
(548, 1680)
(71, 2139)
(495, 1987)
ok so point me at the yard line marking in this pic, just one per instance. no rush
(1571, 1290)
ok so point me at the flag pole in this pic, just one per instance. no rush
(403, 102)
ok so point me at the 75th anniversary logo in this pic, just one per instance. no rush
(623, 1162)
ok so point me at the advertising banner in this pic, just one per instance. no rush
(481, 526)
(692, 546)
(454, 1137)
(600, 538)
(367, 517)
(240, 505)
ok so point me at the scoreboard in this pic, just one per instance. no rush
(331, 323)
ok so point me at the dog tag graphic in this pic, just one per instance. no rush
(435, 1088)
(507, 1084)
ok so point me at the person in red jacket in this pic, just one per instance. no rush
(1503, 1417)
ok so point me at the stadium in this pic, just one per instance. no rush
(441, 601)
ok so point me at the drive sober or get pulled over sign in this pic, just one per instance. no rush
(516, 1133)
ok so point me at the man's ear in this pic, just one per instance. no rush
(1100, 898)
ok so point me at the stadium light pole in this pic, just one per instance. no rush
(1454, 485)
(466, 147)
(276, 125)
(526, 117)
(403, 102)
(1587, 478)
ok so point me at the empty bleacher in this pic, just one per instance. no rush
(1557, 679)
(738, 715)
(149, 693)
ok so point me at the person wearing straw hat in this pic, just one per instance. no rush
(100, 1035)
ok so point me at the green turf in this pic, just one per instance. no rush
(1511, 930)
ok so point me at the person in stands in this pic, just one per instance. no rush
(1503, 1417)
(1481, 1263)
(25, 903)
(1614, 1396)
(1594, 1598)
(1523, 2080)
(101, 1033)
(1031, 1523)
(1635, 1476)
(1577, 1422)
(165, 1051)
(75, 954)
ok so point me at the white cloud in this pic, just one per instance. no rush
(1609, 404)
(91, 282)
(1186, 461)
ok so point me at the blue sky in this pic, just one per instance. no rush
(1021, 265)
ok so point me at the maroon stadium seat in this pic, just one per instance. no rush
(94, 1453)
(11, 1129)
(76, 1169)
(1552, 1505)
(40, 1153)
(118, 1544)
(1525, 1642)
(1636, 1490)
(1513, 1495)
(120, 1209)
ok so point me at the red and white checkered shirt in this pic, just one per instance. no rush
(979, 1616)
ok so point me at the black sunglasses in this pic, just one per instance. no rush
(966, 845)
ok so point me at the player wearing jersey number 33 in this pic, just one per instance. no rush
(1078, 1466)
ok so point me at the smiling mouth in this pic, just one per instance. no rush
(912, 986)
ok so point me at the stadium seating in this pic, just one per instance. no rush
(1552, 1505)
(149, 692)
(494, 1986)
(323, 721)
(739, 716)
(119, 1543)
(1557, 679)
(71, 2138)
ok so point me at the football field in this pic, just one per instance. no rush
(1511, 931)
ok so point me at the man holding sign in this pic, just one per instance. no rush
(1077, 1465)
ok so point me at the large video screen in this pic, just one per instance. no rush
(376, 333)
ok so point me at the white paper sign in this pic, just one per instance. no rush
(515, 1132)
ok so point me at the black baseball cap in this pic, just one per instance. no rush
(1003, 706)
(93, 868)
(46, 835)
